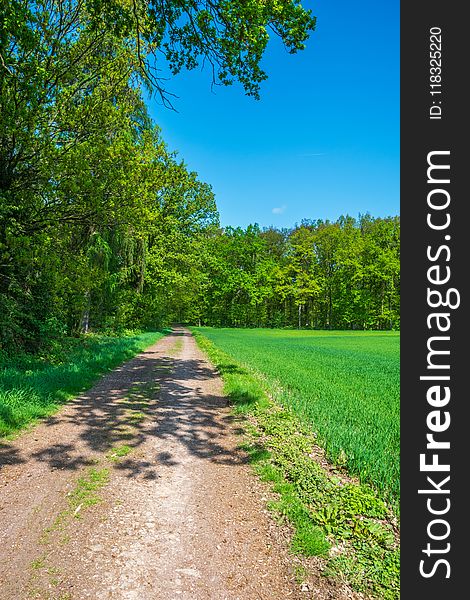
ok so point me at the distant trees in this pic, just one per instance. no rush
(320, 274)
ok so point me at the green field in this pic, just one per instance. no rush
(344, 384)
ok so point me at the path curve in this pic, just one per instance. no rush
(181, 516)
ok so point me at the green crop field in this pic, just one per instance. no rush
(344, 384)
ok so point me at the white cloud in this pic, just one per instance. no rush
(279, 210)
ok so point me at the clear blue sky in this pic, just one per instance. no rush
(324, 138)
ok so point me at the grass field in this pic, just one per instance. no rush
(344, 384)
(292, 389)
(31, 388)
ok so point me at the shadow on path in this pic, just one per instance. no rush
(151, 397)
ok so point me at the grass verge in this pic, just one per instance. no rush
(332, 515)
(33, 388)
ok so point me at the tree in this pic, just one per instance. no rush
(229, 35)
(303, 276)
(320, 274)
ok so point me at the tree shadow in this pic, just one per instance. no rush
(10, 455)
(231, 368)
(152, 402)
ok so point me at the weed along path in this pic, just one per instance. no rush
(136, 490)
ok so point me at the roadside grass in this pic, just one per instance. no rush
(32, 387)
(345, 385)
(333, 516)
(38, 563)
(135, 417)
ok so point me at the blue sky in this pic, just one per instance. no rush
(324, 138)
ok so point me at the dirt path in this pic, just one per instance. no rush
(180, 513)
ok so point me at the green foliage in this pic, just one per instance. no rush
(98, 220)
(319, 275)
(119, 452)
(90, 197)
(348, 523)
(102, 228)
(31, 388)
(370, 569)
(230, 36)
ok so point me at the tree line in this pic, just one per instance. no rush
(103, 227)
(320, 274)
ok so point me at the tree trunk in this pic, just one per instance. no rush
(85, 323)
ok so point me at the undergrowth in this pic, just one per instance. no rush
(332, 515)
